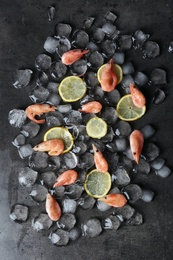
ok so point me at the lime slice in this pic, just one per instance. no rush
(127, 111)
(72, 89)
(116, 68)
(60, 133)
(97, 184)
(96, 127)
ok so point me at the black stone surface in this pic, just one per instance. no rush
(24, 26)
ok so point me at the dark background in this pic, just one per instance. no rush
(24, 26)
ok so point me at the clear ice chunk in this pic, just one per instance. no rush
(51, 44)
(63, 29)
(38, 193)
(111, 222)
(73, 117)
(86, 161)
(54, 119)
(95, 60)
(41, 222)
(19, 140)
(143, 167)
(80, 39)
(70, 159)
(158, 77)
(123, 129)
(170, 47)
(48, 178)
(133, 192)
(73, 191)
(127, 68)
(69, 206)
(79, 67)
(159, 97)
(17, 117)
(140, 79)
(88, 22)
(30, 129)
(67, 221)
(121, 177)
(151, 151)
(111, 17)
(112, 97)
(19, 213)
(164, 172)
(27, 177)
(139, 38)
(74, 233)
(125, 212)
(151, 50)
(22, 78)
(51, 13)
(91, 46)
(39, 94)
(125, 42)
(108, 48)
(59, 192)
(126, 81)
(42, 79)
(59, 237)
(91, 228)
(98, 35)
(147, 195)
(158, 163)
(91, 79)
(148, 131)
(79, 147)
(63, 46)
(86, 202)
(64, 108)
(118, 57)
(58, 70)
(102, 206)
(121, 144)
(52, 87)
(54, 99)
(38, 160)
(43, 62)
(25, 151)
(128, 153)
(110, 30)
(109, 115)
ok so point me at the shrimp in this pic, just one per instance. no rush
(136, 144)
(100, 162)
(37, 110)
(137, 97)
(115, 200)
(66, 178)
(91, 107)
(52, 208)
(69, 57)
(54, 147)
(108, 78)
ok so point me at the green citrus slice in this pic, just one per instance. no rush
(96, 127)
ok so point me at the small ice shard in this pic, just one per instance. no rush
(17, 117)
(159, 96)
(27, 177)
(19, 213)
(88, 22)
(151, 50)
(51, 13)
(170, 47)
(22, 78)
(91, 228)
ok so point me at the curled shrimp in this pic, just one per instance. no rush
(37, 110)
(54, 147)
(114, 200)
(52, 208)
(137, 97)
(66, 178)
(108, 78)
(91, 107)
(136, 144)
(100, 162)
(69, 57)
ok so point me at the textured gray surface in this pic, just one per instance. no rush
(24, 27)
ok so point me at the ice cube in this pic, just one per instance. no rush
(38, 160)
(80, 39)
(127, 68)
(148, 131)
(143, 167)
(98, 35)
(121, 144)
(109, 115)
(112, 97)
(139, 38)
(17, 117)
(48, 178)
(86, 161)
(108, 48)
(158, 77)
(51, 44)
(22, 78)
(151, 151)
(59, 191)
(38, 193)
(133, 192)
(91, 46)
(102, 206)
(110, 30)
(19, 213)
(140, 79)
(52, 87)
(19, 140)
(151, 50)
(63, 29)
(58, 70)
(30, 129)
(170, 47)
(121, 177)
(86, 202)
(126, 81)
(79, 147)
(91, 228)
(79, 68)
(69, 206)
(158, 163)
(51, 13)
(25, 151)
(88, 22)
(118, 57)
(125, 212)
(73, 191)
(111, 17)
(95, 60)
(74, 233)
(42, 222)
(70, 160)
(43, 62)
(164, 172)
(159, 96)
(27, 177)
(59, 237)
(54, 119)
(125, 42)
(39, 94)
(73, 117)
(123, 129)
(136, 219)
(111, 222)
(147, 195)
(63, 46)
(54, 99)
(64, 108)
(91, 79)
(67, 221)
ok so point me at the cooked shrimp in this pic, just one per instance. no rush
(69, 57)
(66, 178)
(54, 147)
(114, 200)
(108, 77)
(100, 162)
(137, 97)
(91, 107)
(136, 144)
(52, 208)
(37, 110)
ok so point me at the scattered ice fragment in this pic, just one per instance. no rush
(59, 237)
(108, 48)
(30, 129)
(125, 212)
(95, 60)
(69, 206)
(109, 115)
(127, 68)
(48, 178)
(158, 77)
(140, 79)
(80, 39)
(58, 70)
(74, 233)
(19, 213)
(118, 57)
(123, 129)
(164, 172)
(38, 193)
(38, 160)
(170, 47)
(158, 163)
(43, 62)
(19, 140)
(88, 22)
(133, 192)
(120, 177)
(102, 206)
(143, 167)
(111, 222)
(111, 17)
(151, 50)
(39, 94)
(147, 195)
(63, 29)
(148, 131)
(67, 221)
(27, 177)
(86, 202)
(139, 38)
(136, 219)
(16, 117)
(51, 44)
(159, 96)
(25, 151)
(151, 151)
(41, 222)
(98, 35)
(22, 78)
(125, 42)
(51, 13)
(54, 119)
(73, 191)
(79, 67)
(64, 108)
(126, 81)
(91, 228)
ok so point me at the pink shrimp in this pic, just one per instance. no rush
(91, 107)
(100, 162)
(37, 110)
(136, 144)
(137, 97)
(69, 57)
(114, 200)
(52, 208)
(66, 178)
(54, 147)
(108, 78)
